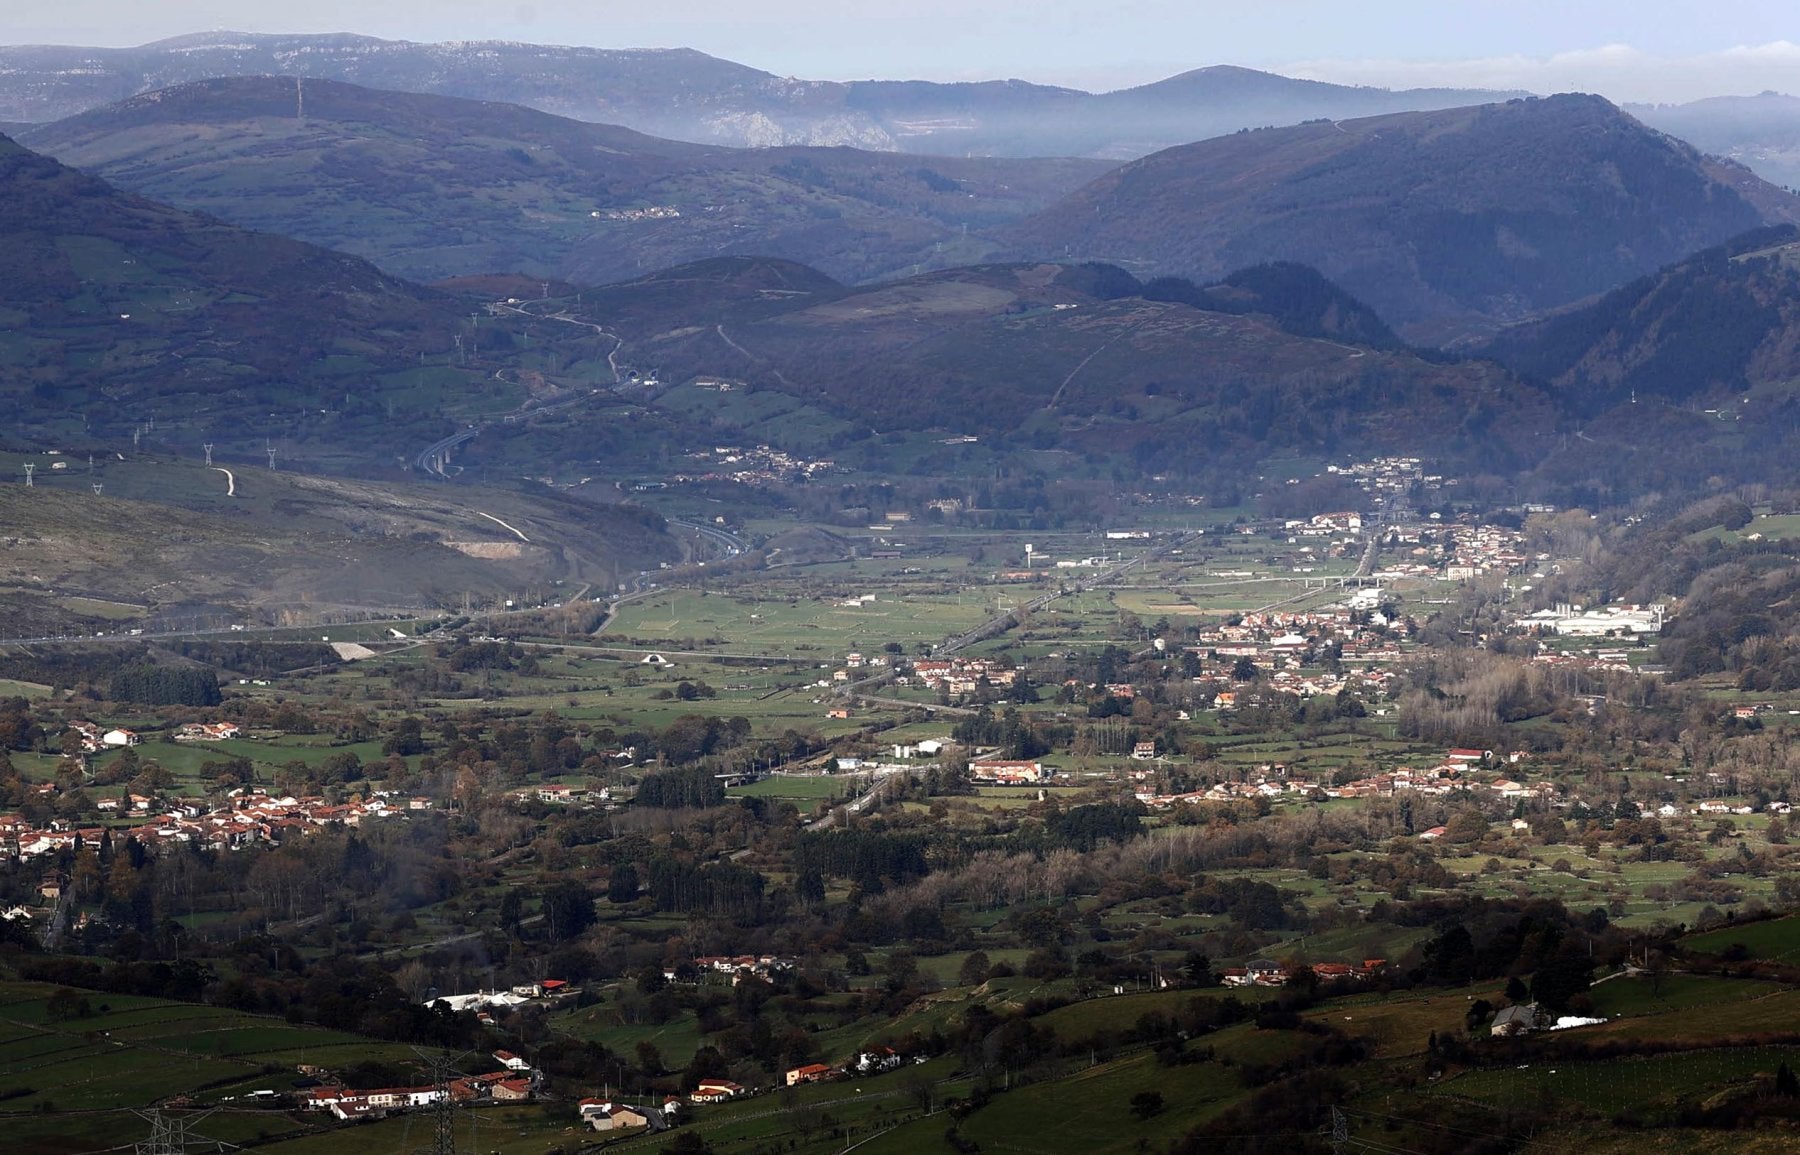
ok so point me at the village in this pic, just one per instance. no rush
(517, 1080)
(757, 465)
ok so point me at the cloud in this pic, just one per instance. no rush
(1616, 71)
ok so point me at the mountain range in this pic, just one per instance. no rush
(430, 187)
(686, 95)
(121, 312)
(1448, 223)
(1057, 360)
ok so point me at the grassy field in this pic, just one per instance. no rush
(1085, 1112)
(1618, 1085)
(816, 619)
(1777, 939)
(71, 1083)
(1644, 996)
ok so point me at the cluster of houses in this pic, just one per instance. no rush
(1456, 771)
(1008, 771)
(1479, 550)
(872, 1061)
(1287, 648)
(759, 465)
(206, 731)
(558, 794)
(245, 818)
(611, 1115)
(958, 675)
(93, 738)
(649, 213)
(515, 1083)
(1268, 781)
(607, 1114)
(1264, 972)
(737, 967)
(1391, 477)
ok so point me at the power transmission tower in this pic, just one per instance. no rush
(208, 448)
(169, 1136)
(271, 457)
(98, 486)
(1340, 1132)
(443, 1110)
(30, 468)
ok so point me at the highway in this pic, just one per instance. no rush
(434, 457)
(730, 544)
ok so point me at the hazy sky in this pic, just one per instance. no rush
(1626, 49)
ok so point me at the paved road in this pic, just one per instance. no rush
(434, 457)
(729, 543)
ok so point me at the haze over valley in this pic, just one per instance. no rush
(562, 596)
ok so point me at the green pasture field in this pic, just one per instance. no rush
(103, 610)
(185, 759)
(130, 1051)
(1622, 1084)
(819, 624)
(1401, 1024)
(676, 1040)
(528, 1129)
(800, 789)
(1705, 1023)
(946, 967)
(11, 688)
(1618, 997)
(72, 1131)
(1777, 939)
(1084, 1112)
(804, 1118)
(1115, 1013)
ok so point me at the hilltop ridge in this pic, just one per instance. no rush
(688, 95)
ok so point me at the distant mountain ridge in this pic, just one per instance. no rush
(1447, 222)
(1761, 132)
(1707, 328)
(431, 187)
(687, 95)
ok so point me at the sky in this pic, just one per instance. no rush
(1638, 50)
